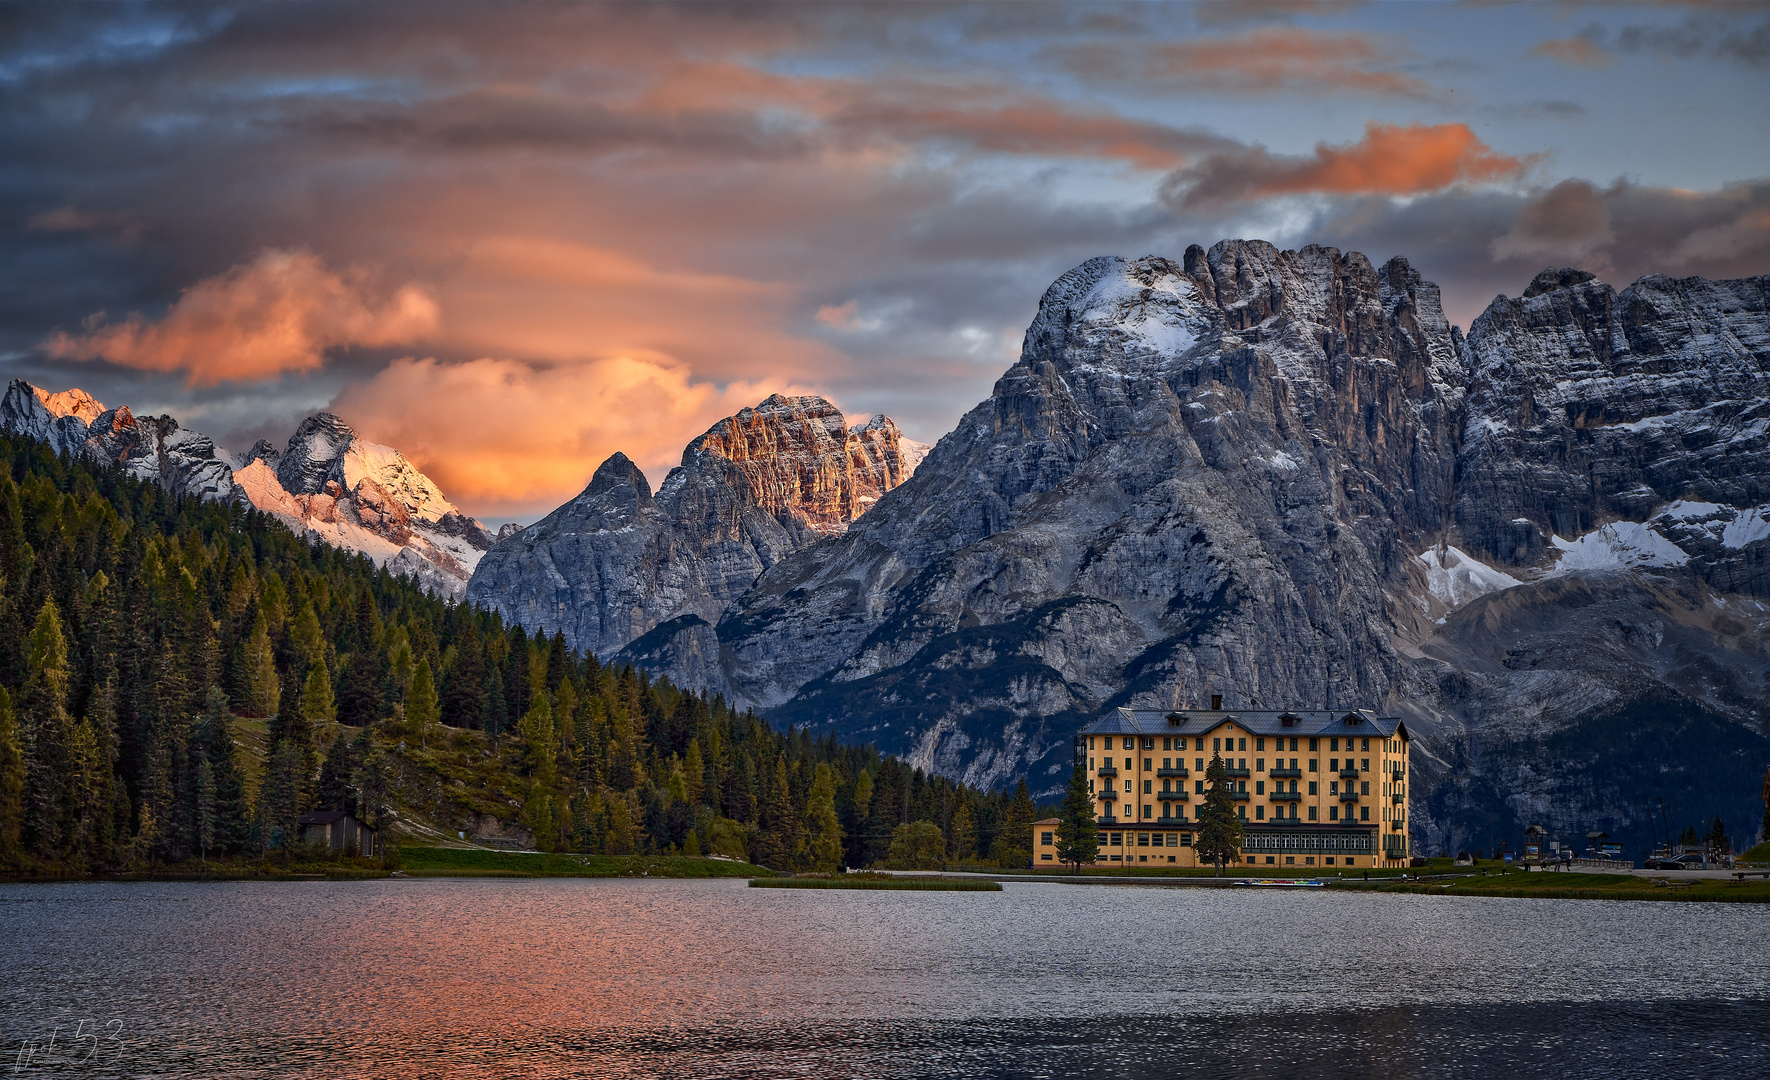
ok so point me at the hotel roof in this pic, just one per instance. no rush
(1318, 722)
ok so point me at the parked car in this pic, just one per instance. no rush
(1681, 862)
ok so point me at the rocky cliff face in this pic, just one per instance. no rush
(1283, 477)
(328, 483)
(618, 566)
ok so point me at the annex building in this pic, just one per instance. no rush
(1313, 788)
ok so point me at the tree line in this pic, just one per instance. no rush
(183, 679)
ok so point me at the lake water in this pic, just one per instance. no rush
(565, 978)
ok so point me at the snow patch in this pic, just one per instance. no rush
(1621, 545)
(1454, 577)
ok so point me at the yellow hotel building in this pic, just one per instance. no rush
(1314, 789)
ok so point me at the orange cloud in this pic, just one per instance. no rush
(284, 311)
(1261, 61)
(1389, 160)
(505, 436)
(1578, 51)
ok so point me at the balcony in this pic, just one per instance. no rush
(1345, 773)
(1348, 796)
(1107, 770)
(1398, 799)
(1180, 774)
(1286, 774)
(1240, 796)
(1109, 821)
(1173, 795)
(1108, 794)
(1287, 796)
(1240, 773)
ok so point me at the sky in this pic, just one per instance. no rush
(512, 239)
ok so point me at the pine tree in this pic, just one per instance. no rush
(961, 833)
(694, 772)
(260, 669)
(47, 734)
(1078, 837)
(777, 839)
(335, 776)
(1014, 837)
(12, 776)
(823, 830)
(232, 813)
(1219, 827)
(279, 797)
(205, 807)
(316, 694)
(422, 712)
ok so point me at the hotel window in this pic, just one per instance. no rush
(1259, 813)
(1185, 839)
(1259, 764)
(1047, 856)
(1118, 839)
(1149, 744)
(1241, 811)
(1312, 813)
(1173, 839)
(1142, 839)
(1167, 763)
(1201, 743)
(1333, 813)
(1333, 787)
(1259, 787)
(1293, 748)
(1146, 765)
(1090, 785)
(1364, 764)
(1044, 839)
(1312, 746)
(1333, 764)
(1244, 746)
(1311, 787)
(1127, 787)
(1100, 839)
(1198, 787)
(1201, 761)
(1364, 787)
(1244, 761)
(1167, 744)
(1293, 760)
(1364, 813)
(1148, 787)
(1217, 745)
(1312, 763)
(1364, 745)
(1127, 767)
(1259, 744)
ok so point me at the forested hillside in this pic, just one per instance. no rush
(181, 680)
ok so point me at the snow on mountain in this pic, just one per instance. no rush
(328, 483)
(1453, 578)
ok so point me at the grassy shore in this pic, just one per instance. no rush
(1572, 886)
(482, 862)
(880, 882)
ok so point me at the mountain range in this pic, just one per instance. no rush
(1278, 476)
(327, 483)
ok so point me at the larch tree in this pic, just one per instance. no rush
(823, 829)
(422, 712)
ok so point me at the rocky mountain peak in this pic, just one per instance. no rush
(74, 402)
(1551, 279)
(618, 473)
(315, 452)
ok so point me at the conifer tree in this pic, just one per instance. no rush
(777, 839)
(12, 775)
(1078, 838)
(694, 773)
(1012, 847)
(232, 814)
(823, 831)
(961, 833)
(205, 807)
(259, 661)
(422, 712)
(47, 733)
(536, 729)
(335, 776)
(1219, 827)
(316, 695)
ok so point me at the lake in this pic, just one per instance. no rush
(564, 978)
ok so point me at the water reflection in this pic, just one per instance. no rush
(616, 978)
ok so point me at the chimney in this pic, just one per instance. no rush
(1216, 702)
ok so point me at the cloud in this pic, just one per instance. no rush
(1263, 61)
(282, 312)
(1578, 51)
(1389, 160)
(1569, 221)
(508, 436)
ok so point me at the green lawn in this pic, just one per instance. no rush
(483, 862)
(1571, 886)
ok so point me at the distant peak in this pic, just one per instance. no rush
(1551, 279)
(618, 471)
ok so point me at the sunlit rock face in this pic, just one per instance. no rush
(329, 483)
(619, 566)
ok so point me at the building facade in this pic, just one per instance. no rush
(1314, 789)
